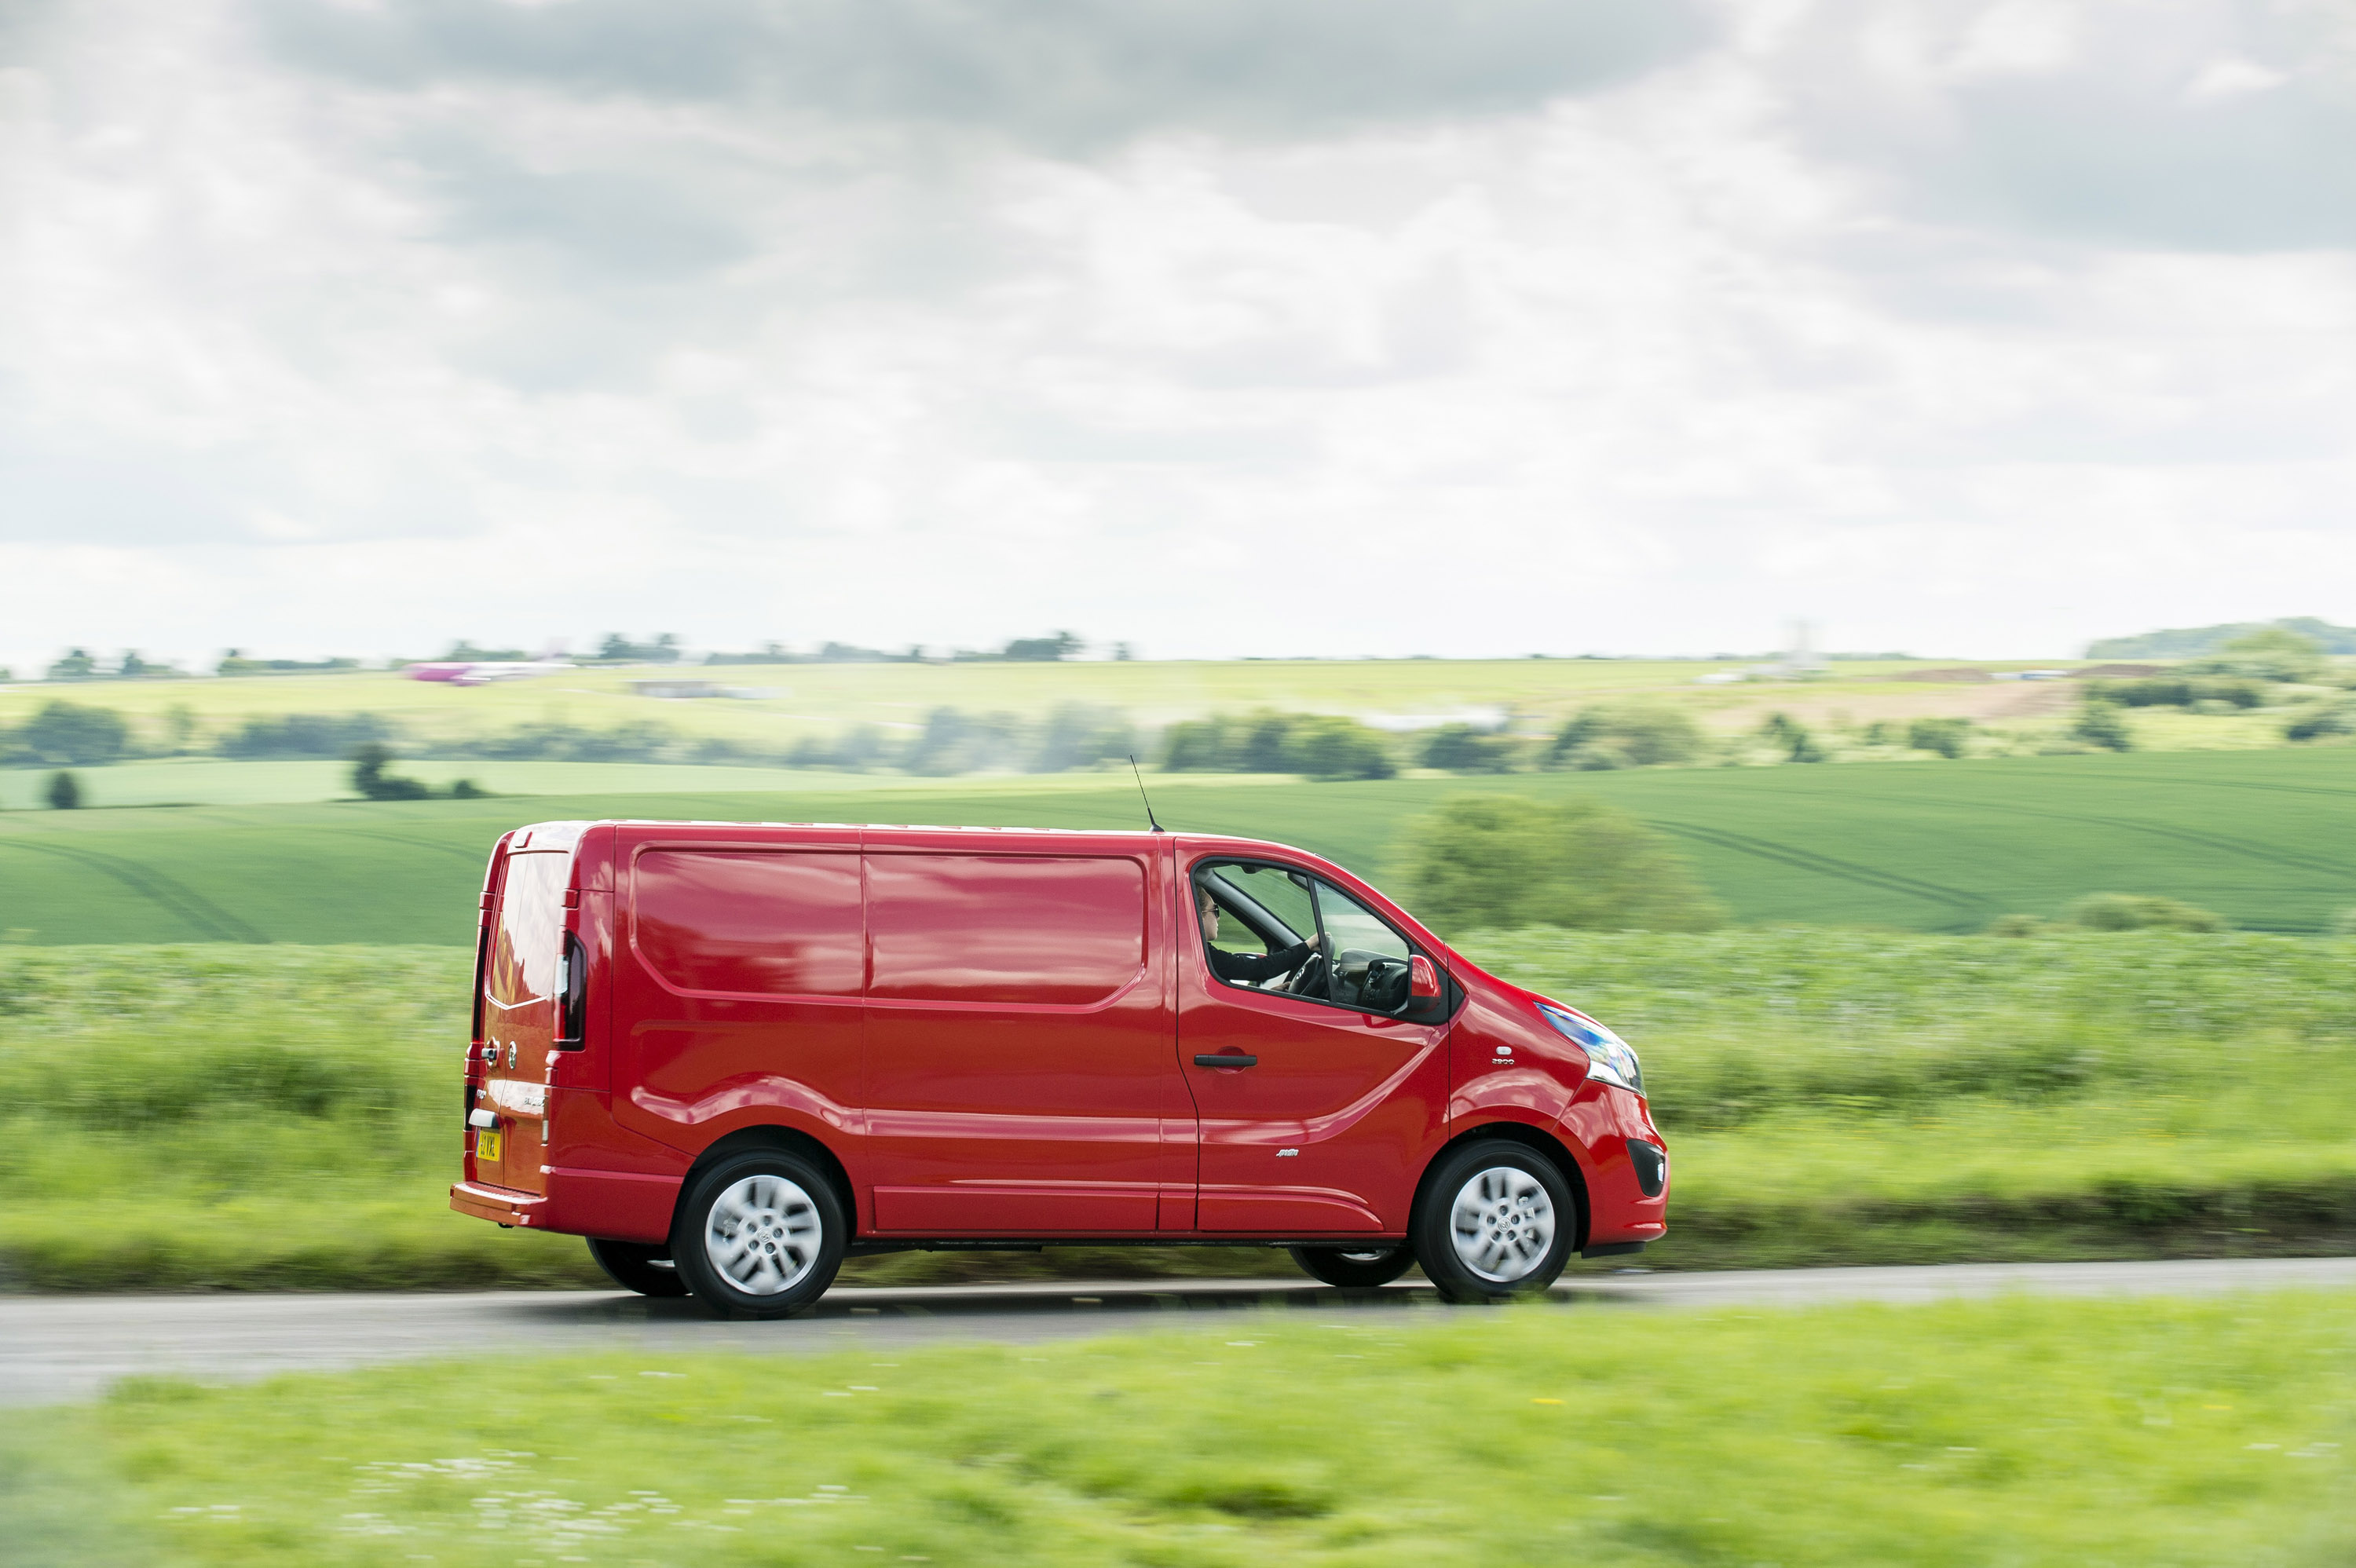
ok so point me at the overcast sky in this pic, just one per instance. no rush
(1226, 326)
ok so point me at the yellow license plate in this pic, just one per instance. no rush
(487, 1144)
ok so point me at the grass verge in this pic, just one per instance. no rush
(2018, 1431)
(240, 1116)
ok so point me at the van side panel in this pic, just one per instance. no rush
(737, 977)
(1021, 1072)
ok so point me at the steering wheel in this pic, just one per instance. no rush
(1314, 977)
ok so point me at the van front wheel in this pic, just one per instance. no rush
(1353, 1268)
(1495, 1222)
(634, 1265)
(760, 1235)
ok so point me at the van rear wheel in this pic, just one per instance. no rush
(1495, 1222)
(634, 1265)
(760, 1235)
(1353, 1268)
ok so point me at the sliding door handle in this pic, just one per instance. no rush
(1230, 1059)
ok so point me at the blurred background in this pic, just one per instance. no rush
(1844, 507)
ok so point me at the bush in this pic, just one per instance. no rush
(955, 742)
(854, 750)
(72, 734)
(2139, 911)
(1948, 737)
(638, 741)
(2325, 718)
(1504, 862)
(305, 735)
(1791, 737)
(1464, 748)
(64, 793)
(2180, 691)
(1319, 745)
(2100, 723)
(1077, 735)
(1627, 735)
(1334, 748)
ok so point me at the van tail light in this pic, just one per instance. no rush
(573, 998)
(1422, 979)
(482, 963)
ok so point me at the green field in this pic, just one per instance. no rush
(825, 697)
(1527, 696)
(1829, 1098)
(2019, 1431)
(2267, 838)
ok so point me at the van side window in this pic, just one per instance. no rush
(1266, 914)
(749, 922)
(524, 947)
(1066, 930)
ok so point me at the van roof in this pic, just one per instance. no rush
(567, 833)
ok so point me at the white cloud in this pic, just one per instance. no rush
(329, 349)
(2231, 76)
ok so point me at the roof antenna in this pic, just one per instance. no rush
(1140, 791)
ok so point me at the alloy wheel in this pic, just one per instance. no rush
(763, 1234)
(1503, 1224)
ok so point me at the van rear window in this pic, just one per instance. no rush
(991, 928)
(760, 923)
(524, 948)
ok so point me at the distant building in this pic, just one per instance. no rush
(681, 690)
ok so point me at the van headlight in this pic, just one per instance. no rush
(1608, 1056)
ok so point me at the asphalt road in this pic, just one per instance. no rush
(60, 1348)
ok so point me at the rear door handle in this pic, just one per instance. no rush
(1226, 1061)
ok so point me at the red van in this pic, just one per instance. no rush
(731, 1055)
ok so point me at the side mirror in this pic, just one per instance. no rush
(1422, 979)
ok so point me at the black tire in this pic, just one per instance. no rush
(1518, 1230)
(1353, 1268)
(636, 1266)
(798, 1234)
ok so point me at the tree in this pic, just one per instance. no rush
(2273, 653)
(71, 734)
(1502, 862)
(64, 793)
(76, 666)
(2100, 723)
(1062, 646)
(369, 778)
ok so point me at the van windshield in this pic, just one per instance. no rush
(529, 937)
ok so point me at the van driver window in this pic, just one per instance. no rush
(1276, 930)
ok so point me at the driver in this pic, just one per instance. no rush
(1248, 966)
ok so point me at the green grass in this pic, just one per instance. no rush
(1829, 1097)
(2019, 1431)
(2267, 838)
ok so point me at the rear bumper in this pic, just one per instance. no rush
(618, 1205)
(497, 1204)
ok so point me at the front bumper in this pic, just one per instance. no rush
(1626, 1163)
